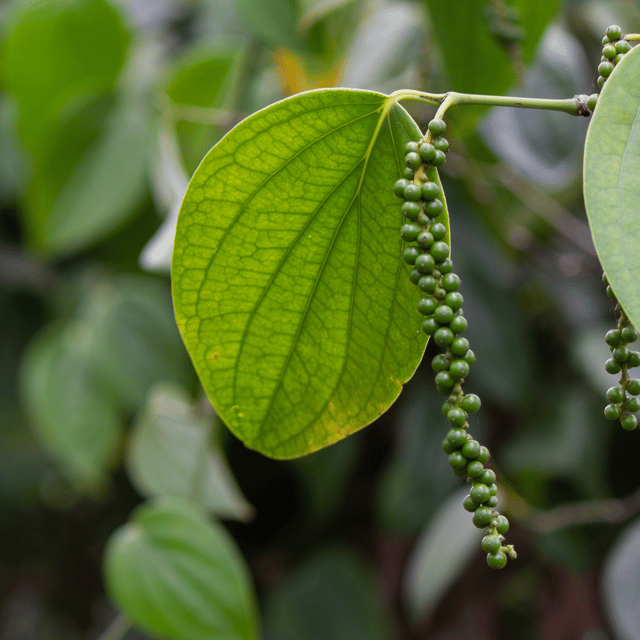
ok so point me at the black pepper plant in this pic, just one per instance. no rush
(306, 294)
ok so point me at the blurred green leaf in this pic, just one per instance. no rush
(90, 178)
(73, 415)
(330, 596)
(620, 584)
(311, 11)
(179, 576)
(13, 163)
(611, 186)
(440, 555)
(274, 21)
(288, 283)
(173, 452)
(56, 50)
(589, 352)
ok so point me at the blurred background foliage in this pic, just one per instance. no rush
(106, 108)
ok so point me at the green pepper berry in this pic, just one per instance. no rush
(424, 239)
(483, 456)
(457, 437)
(459, 369)
(620, 354)
(605, 40)
(451, 282)
(482, 517)
(437, 127)
(446, 266)
(491, 543)
(492, 502)
(399, 186)
(438, 158)
(443, 336)
(592, 102)
(613, 337)
(613, 32)
(454, 300)
(600, 81)
(611, 412)
(633, 360)
(458, 324)
(412, 192)
(502, 525)
(444, 380)
(429, 326)
(427, 151)
(612, 366)
(469, 357)
(447, 447)
(629, 334)
(408, 174)
(427, 284)
(493, 489)
(611, 293)
(618, 58)
(422, 220)
(496, 560)
(433, 208)
(469, 504)
(605, 69)
(456, 417)
(632, 405)
(488, 477)
(425, 263)
(413, 160)
(446, 405)
(426, 306)
(438, 231)
(609, 51)
(443, 314)
(410, 146)
(480, 493)
(441, 144)
(633, 387)
(615, 395)
(414, 276)
(471, 449)
(410, 254)
(459, 346)
(409, 232)
(622, 47)
(471, 402)
(439, 251)
(457, 460)
(475, 469)
(410, 210)
(440, 363)
(629, 422)
(430, 190)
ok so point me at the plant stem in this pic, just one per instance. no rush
(118, 628)
(572, 106)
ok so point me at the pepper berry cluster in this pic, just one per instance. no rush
(428, 254)
(622, 397)
(614, 48)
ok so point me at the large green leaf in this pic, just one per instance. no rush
(612, 181)
(178, 576)
(288, 283)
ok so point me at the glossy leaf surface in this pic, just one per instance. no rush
(178, 576)
(288, 283)
(612, 181)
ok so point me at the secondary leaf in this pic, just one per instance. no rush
(178, 576)
(288, 283)
(612, 183)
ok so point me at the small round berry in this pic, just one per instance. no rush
(444, 379)
(592, 102)
(409, 232)
(469, 357)
(605, 40)
(422, 219)
(459, 347)
(443, 336)
(411, 210)
(615, 395)
(424, 239)
(632, 405)
(605, 280)
(408, 174)
(425, 263)
(446, 266)
(471, 449)
(605, 69)
(491, 543)
(456, 417)
(482, 517)
(458, 324)
(471, 402)
(430, 191)
(600, 81)
(613, 32)
(457, 437)
(613, 337)
(446, 405)
(441, 144)
(413, 160)
(454, 300)
(633, 387)
(502, 525)
(443, 314)
(447, 447)
(629, 422)
(494, 489)
(469, 504)
(488, 477)
(480, 493)
(492, 502)
(609, 51)
(439, 251)
(457, 460)
(427, 151)
(440, 363)
(438, 231)
(437, 127)
(475, 469)
(429, 326)
(633, 360)
(629, 334)
(426, 306)
(496, 560)
(410, 254)
(427, 284)
(611, 293)
(459, 369)
(612, 366)
(618, 58)
(414, 276)
(451, 282)
(620, 354)
(412, 192)
(438, 158)
(433, 208)
(484, 455)
(622, 47)
(399, 186)
(410, 146)
(611, 412)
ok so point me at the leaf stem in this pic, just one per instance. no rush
(631, 37)
(118, 628)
